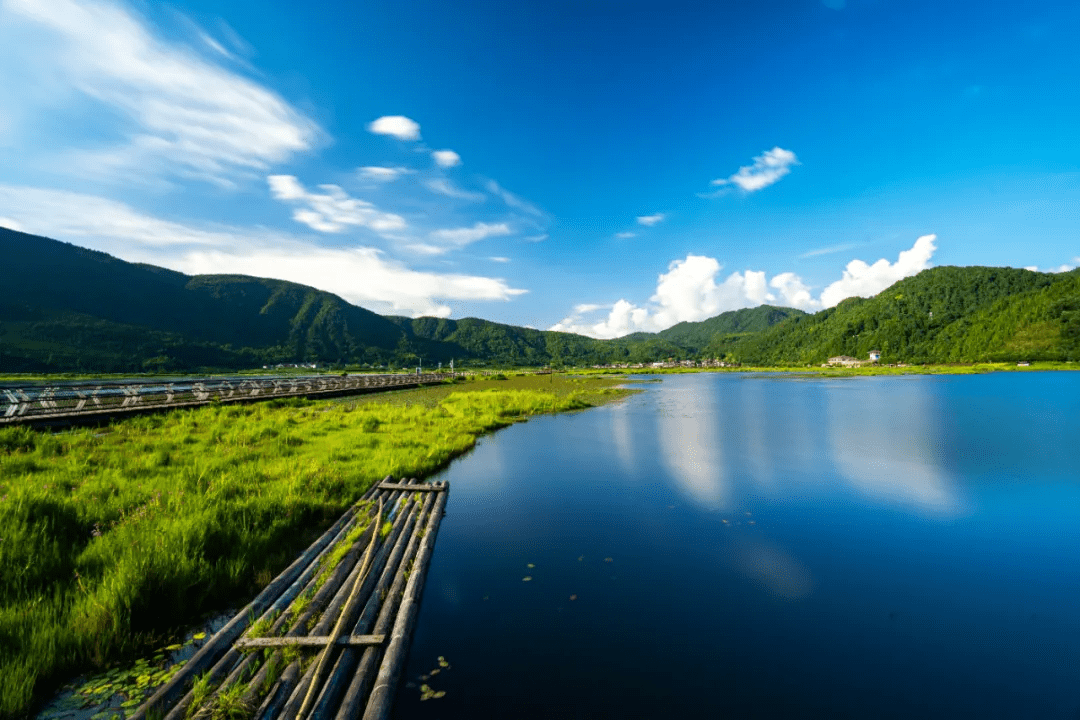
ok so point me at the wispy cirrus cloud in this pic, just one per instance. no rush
(383, 174)
(180, 113)
(828, 250)
(332, 210)
(397, 126)
(447, 188)
(459, 237)
(513, 200)
(625, 235)
(691, 291)
(362, 275)
(768, 168)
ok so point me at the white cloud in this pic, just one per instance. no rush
(828, 250)
(332, 210)
(361, 275)
(397, 126)
(10, 224)
(460, 237)
(625, 235)
(1063, 268)
(446, 158)
(499, 259)
(767, 169)
(650, 220)
(445, 187)
(382, 174)
(1032, 268)
(794, 292)
(864, 280)
(512, 200)
(181, 114)
(689, 291)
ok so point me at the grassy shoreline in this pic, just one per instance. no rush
(114, 538)
(933, 369)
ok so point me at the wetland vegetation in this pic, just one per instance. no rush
(115, 538)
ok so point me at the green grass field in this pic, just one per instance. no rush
(114, 538)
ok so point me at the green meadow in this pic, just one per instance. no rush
(115, 538)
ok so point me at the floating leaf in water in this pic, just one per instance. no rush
(608, 560)
(443, 663)
(573, 597)
(438, 694)
(527, 578)
(436, 671)
(530, 566)
(580, 558)
(198, 636)
(724, 521)
(425, 678)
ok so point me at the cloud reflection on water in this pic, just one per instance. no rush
(885, 442)
(772, 567)
(690, 445)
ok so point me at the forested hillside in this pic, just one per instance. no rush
(64, 308)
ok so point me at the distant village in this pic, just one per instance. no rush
(838, 361)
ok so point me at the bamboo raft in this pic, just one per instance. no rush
(324, 639)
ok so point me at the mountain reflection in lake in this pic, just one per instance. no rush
(765, 546)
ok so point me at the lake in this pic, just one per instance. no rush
(765, 545)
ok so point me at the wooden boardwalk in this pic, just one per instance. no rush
(328, 637)
(75, 403)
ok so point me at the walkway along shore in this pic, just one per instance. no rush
(328, 637)
(82, 403)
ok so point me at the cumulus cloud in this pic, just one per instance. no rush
(625, 235)
(445, 187)
(446, 158)
(382, 174)
(690, 291)
(10, 224)
(862, 280)
(397, 126)
(650, 220)
(459, 237)
(182, 114)
(767, 169)
(332, 210)
(361, 275)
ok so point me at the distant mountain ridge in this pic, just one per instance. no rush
(66, 308)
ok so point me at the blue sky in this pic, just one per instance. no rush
(596, 166)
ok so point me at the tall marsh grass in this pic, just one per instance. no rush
(112, 538)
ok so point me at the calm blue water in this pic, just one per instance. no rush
(766, 546)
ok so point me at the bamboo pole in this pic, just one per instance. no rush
(320, 663)
(382, 695)
(361, 679)
(343, 671)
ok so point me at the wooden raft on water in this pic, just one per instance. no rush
(331, 638)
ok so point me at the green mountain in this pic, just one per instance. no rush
(65, 308)
(945, 314)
